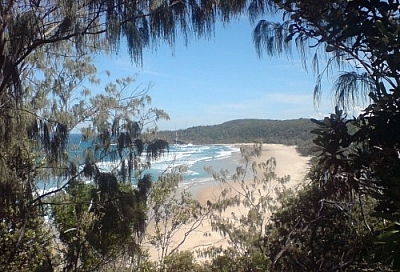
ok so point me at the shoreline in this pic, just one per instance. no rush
(289, 162)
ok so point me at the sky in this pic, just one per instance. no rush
(220, 79)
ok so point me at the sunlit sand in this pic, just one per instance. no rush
(289, 162)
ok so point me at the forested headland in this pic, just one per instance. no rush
(288, 132)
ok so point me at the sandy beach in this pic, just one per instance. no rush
(289, 162)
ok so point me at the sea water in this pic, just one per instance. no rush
(196, 158)
(193, 158)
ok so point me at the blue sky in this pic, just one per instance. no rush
(212, 81)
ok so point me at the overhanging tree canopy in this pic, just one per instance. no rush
(359, 36)
(100, 25)
(362, 33)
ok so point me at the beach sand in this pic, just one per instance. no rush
(289, 162)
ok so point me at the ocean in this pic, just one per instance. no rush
(194, 158)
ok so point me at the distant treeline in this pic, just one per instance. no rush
(287, 132)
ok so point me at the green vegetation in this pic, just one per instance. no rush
(287, 132)
(347, 217)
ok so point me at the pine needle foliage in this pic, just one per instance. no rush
(359, 36)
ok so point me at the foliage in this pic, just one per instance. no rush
(181, 261)
(316, 232)
(117, 130)
(253, 263)
(23, 232)
(362, 37)
(254, 188)
(24, 241)
(98, 224)
(172, 210)
(287, 132)
(106, 221)
(357, 169)
(369, 165)
(356, 35)
(36, 148)
(344, 218)
(44, 65)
